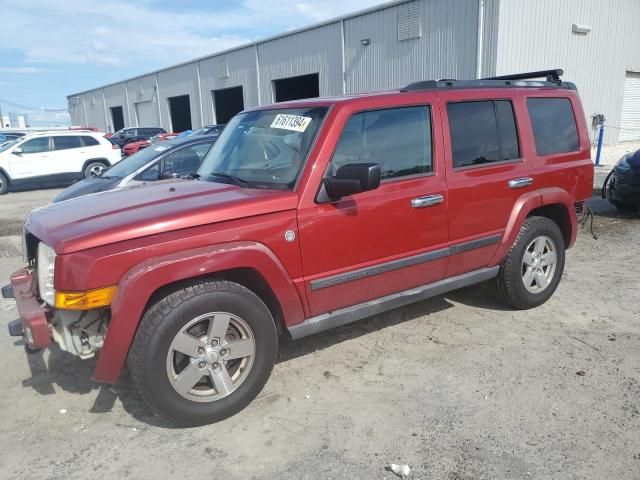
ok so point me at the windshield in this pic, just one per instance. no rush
(263, 149)
(130, 164)
(9, 144)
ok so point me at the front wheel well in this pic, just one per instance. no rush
(92, 160)
(559, 214)
(247, 277)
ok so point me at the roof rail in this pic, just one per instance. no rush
(518, 80)
(551, 75)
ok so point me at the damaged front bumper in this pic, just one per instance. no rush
(80, 333)
(33, 316)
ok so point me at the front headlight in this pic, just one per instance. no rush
(46, 264)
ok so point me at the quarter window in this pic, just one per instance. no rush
(88, 141)
(398, 139)
(554, 125)
(482, 132)
(66, 142)
(36, 145)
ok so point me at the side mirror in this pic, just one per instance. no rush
(168, 175)
(17, 151)
(353, 178)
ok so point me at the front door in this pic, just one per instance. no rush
(387, 240)
(33, 161)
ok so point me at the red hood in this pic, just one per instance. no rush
(120, 215)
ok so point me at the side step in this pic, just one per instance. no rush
(351, 314)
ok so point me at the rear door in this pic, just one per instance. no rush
(486, 172)
(69, 153)
(34, 161)
(384, 241)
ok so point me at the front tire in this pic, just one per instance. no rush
(531, 272)
(203, 352)
(4, 184)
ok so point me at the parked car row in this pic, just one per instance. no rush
(47, 159)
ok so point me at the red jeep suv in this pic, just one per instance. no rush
(304, 216)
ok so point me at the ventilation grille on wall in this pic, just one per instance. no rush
(409, 21)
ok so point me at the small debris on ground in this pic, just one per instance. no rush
(63, 411)
(581, 373)
(400, 470)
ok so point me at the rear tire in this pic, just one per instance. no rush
(531, 272)
(625, 207)
(4, 184)
(203, 352)
(94, 169)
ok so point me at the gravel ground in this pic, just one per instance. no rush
(458, 387)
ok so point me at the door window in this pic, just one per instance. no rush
(36, 145)
(88, 141)
(66, 142)
(482, 132)
(397, 139)
(186, 160)
(554, 125)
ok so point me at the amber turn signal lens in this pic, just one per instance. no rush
(98, 298)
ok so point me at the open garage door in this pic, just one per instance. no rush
(180, 111)
(146, 114)
(117, 118)
(294, 88)
(630, 120)
(227, 102)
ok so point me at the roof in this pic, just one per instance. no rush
(289, 33)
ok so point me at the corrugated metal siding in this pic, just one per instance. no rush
(143, 100)
(538, 34)
(312, 51)
(446, 48)
(630, 117)
(178, 81)
(490, 37)
(225, 71)
(116, 96)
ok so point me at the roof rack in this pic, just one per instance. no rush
(551, 79)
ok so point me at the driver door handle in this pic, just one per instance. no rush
(427, 201)
(520, 182)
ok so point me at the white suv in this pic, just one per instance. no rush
(54, 158)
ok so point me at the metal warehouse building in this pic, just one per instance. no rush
(595, 42)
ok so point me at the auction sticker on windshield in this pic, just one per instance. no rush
(297, 123)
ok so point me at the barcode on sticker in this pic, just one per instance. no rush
(297, 123)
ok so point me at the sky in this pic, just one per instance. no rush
(52, 48)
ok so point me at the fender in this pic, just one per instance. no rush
(524, 206)
(145, 278)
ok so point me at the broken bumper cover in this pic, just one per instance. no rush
(33, 316)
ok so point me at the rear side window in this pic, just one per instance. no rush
(482, 132)
(397, 139)
(89, 141)
(66, 142)
(554, 125)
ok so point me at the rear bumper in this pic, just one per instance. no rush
(625, 193)
(33, 316)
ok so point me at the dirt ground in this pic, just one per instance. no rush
(458, 387)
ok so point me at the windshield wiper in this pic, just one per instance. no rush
(108, 177)
(236, 180)
(192, 176)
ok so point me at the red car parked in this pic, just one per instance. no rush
(308, 215)
(134, 147)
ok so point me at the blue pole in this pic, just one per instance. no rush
(599, 151)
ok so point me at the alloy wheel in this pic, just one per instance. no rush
(210, 357)
(539, 264)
